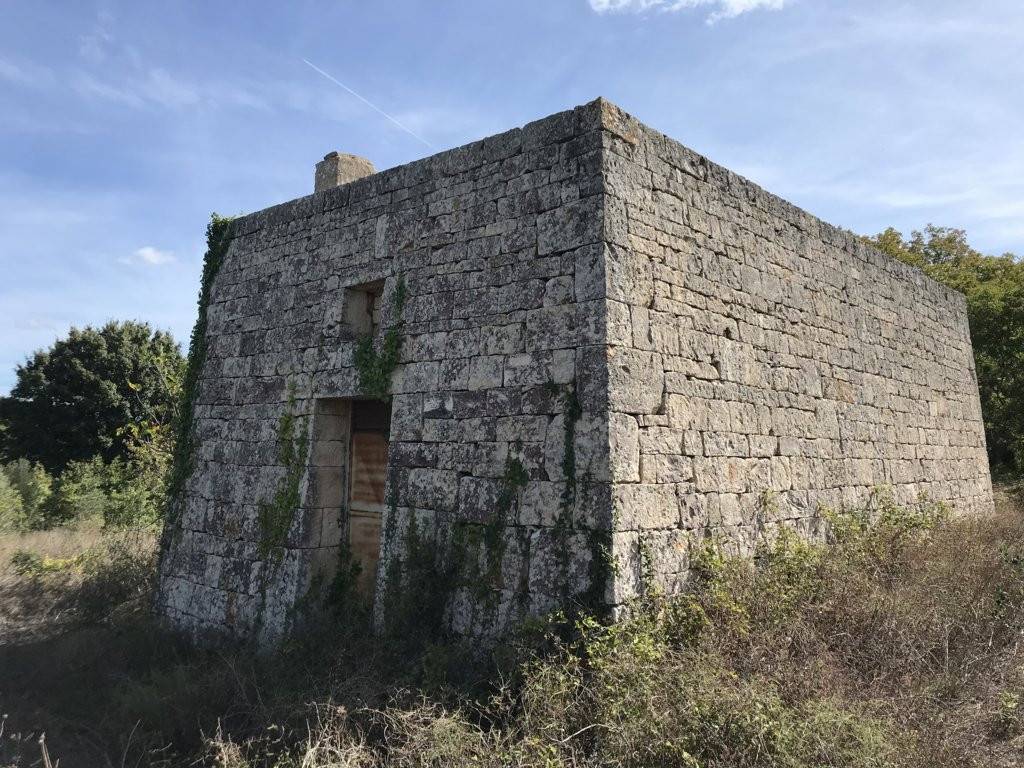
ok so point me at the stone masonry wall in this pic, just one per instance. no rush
(607, 338)
(499, 246)
(764, 364)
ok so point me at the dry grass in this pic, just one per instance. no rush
(28, 606)
(897, 646)
(58, 543)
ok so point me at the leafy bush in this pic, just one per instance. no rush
(34, 486)
(79, 496)
(137, 486)
(12, 509)
(120, 493)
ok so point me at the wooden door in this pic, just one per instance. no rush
(369, 461)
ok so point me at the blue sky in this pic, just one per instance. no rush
(123, 125)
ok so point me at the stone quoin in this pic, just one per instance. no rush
(610, 348)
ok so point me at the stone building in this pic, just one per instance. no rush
(592, 347)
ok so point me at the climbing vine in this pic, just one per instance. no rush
(376, 364)
(573, 413)
(417, 588)
(276, 515)
(218, 237)
(513, 481)
(601, 568)
(563, 522)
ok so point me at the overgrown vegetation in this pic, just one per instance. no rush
(375, 363)
(896, 644)
(276, 515)
(994, 287)
(123, 492)
(53, 581)
(418, 585)
(218, 238)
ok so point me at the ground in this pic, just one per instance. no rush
(899, 644)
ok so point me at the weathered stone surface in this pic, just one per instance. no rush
(720, 362)
(772, 365)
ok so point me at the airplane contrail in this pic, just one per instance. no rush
(368, 103)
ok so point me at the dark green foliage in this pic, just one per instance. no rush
(76, 400)
(277, 515)
(994, 287)
(376, 364)
(342, 598)
(573, 412)
(218, 238)
(599, 572)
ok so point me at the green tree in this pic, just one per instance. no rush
(136, 487)
(994, 287)
(12, 511)
(78, 399)
(80, 495)
(34, 484)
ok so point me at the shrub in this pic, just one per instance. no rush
(79, 496)
(34, 486)
(12, 508)
(122, 493)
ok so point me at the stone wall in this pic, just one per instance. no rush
(499, 245)
(609, 343)
(765, 364)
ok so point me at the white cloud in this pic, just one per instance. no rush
(148, 255)
(89, 87)
(721, 9)
(95, 46)
(27, 75)
(168, 91)
(145, 89)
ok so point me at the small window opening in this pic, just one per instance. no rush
(362, 310)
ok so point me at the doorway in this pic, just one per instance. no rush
(368, 452)
(348, 461)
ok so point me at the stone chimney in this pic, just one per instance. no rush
(337, 168)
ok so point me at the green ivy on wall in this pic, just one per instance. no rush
(219, 233)
(276, 515)
(376, 364)
(564, 522)
(513, 481)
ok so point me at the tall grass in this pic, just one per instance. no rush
(896, 644)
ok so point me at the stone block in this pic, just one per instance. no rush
(432, 489)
